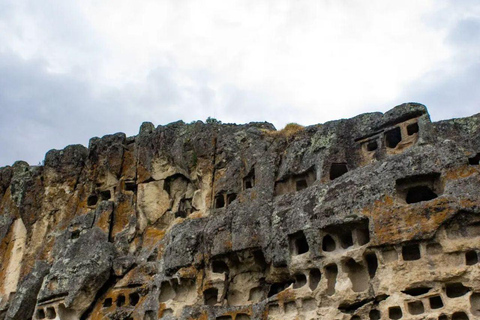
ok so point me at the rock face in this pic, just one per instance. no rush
(374, 217)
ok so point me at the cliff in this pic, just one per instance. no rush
(374, 217)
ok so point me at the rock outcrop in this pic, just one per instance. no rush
(374, 217)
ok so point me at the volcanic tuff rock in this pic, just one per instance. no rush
(374, 217)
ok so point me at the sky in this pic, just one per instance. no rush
(72, 70)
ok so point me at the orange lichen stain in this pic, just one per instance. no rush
(161, 309)
(460, 172)
(151, 236)
(188, 272)
(142, 174)
(395, 222)
(203, 316)
(286, 296)
(122, 214)
(104, 220)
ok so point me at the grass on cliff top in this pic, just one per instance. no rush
(289, 130)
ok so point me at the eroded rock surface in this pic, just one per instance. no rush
(374, 217)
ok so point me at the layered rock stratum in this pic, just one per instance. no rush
(374, 217)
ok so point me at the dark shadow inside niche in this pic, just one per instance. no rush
(435, 302)
(393, 137)
(120, 300)
(242, 316)
(415, 307)
(219, 266)
(185, 208)
(92, 200)
(395, 313)
(230, 198)
(374, 315)
(420, 193)
(107, 303)
(442, 317)
(301, 184)
(278, 287)
(471, 258)
(460, 316)
(51, 313)
(249, 180)
(105, 195)
(363, 235)
(328, 243)
(418, 291)
(331, 272)
(295, 182)
(134, 297)
(411, 252)
(40, 314)
(75, 234)
(372, 264)
(412, 128)
(346, 239)
(149, 315)
(419, 188)
(298, 243)
(337, 170)
(372, 145)
(455, 290)
(300, 280)
(355, 318)
(130, 186)
(475, 160)
(314, 278)
(224, 318)
(210, 296)
(219, 201)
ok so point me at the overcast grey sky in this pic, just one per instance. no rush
(72, 70)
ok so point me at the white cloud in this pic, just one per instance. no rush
(239, 61)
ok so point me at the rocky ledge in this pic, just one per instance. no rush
(374, 217)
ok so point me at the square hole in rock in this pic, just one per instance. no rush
(418, 188)
(455, 290)
(412, 129)
(435, 302)
(395, 313)
(298, 243)
(40, 314)
(105, 195)
(51, 313)
(411, 252)
(471, 258)
(416, 307)
(210, 296)
(337, 170)
(219, 201)
(301, 184)
(393, 137)
(92, 200)
(120, 300)
(107, 303)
